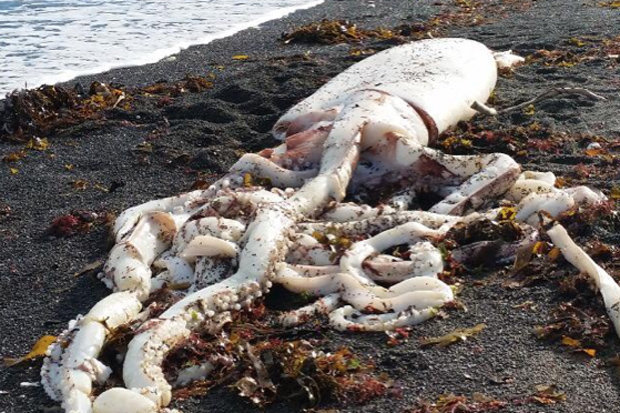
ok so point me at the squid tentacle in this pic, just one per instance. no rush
(324, 305)
(487, 176)
(265, 245)
(71, 364)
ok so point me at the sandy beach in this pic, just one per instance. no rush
(148, 148)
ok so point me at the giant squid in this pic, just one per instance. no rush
(367, 128)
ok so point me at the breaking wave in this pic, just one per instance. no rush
(49, 41)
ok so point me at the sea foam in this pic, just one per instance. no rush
(49, 41)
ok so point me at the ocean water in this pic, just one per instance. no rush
(48, 41)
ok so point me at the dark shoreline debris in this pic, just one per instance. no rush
(79, 222)
(38, 350)
(456, 336)
(46, 110)
(334, 31)
(463, 13)
(544, 394)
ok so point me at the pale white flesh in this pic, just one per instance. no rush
(442, 76)
(375, 113)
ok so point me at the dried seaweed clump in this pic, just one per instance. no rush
(333, 32)
(300, 370)
(451, 403)
(582, 330)
(461, 13)
(575, 50)
(581, 322)
(612, 4)
(456, 336)
(482, 243)
(79, 221)
(48, 109)
(544, 394)
(41, 111)
(601, 219)
(520, 140)
(193, 84)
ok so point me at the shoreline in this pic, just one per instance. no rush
(157, 55)
(160, 148)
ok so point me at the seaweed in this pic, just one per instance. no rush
(333, 32)
(301, 369)
(189, 83)
(481, 244)
(612, 4)
(575, 51)
(41, 111)
(580, 321)
(266, 365)
(38, 113)
(520, 140)
(38, 350)
(451, 403)
(544, 394)
(79, 222)
(547, 394)
(484, 230)
(14, 156)
(456, 336)
(586, 324)
(593, 218)
(466, 13)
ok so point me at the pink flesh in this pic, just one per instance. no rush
(426, 166)
(304, 122)
(303, 147)
(266, 153)
(387, 148)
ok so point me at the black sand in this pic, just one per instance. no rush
(207, 130)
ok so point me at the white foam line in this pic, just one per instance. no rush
(160, 54)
